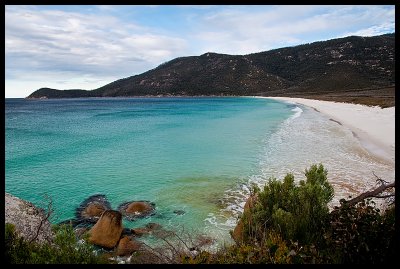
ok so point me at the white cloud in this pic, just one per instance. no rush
(55, 47)
(237, 31)
(81, 44)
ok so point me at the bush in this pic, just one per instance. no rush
(65, 250)
(296, 212)
(291, 224)
(360, 234)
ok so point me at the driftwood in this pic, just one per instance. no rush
(384, 185)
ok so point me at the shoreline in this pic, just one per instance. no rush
(374, 127)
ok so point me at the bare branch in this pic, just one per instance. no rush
(379, 180)
(372, 193)
(384, 196)
(45, 217)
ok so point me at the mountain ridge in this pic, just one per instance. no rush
(348, 66)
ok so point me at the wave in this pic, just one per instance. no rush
(298, 111)
(307, 138)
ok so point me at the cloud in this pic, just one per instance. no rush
(81, 45)
(240, 31)
(104, 43)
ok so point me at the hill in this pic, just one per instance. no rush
(345, 68)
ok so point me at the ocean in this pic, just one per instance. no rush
(195, 155)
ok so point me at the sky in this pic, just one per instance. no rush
(86, 47)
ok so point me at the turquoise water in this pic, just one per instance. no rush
(180, 153)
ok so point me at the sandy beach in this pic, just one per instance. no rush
(373, 126)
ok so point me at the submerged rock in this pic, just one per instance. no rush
(148, 229)
(137, 209)
(153, 226)
(140, 231)
(107, 231)
(179, 212)
(91, 209)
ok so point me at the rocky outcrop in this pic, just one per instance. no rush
(107, 231)
(27, 219)
(127, 245)
(136, 209)
(238, 232)
(91, 209)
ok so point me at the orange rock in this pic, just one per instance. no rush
(140, 231)
(107, 231)
(93, 210)
(139, 207)
(127, 246)
(250, 202)
(237, 233)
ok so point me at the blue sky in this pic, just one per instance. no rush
(85, 47)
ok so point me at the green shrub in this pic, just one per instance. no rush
(292, 224)
(297, 212)
(65, 250)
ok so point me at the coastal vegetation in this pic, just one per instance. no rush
(351, 69)
(283, 222)
(65, 249)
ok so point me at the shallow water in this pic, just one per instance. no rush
(180, 153)
(193, 154)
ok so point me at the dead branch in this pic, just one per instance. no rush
(47, 213)
(373, 193)
(384, 196)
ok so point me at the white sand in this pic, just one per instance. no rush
(373, 126)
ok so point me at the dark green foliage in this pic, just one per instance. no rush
(352, 67)
(360, 234)
(53, 93)
(65, 250)
(297, 212)
(292, 224)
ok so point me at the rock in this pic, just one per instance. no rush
(126, 231)
(140, 231)
(148, 229)
(136, 209)
(91, 209)
(127, 246)
(26, 219)
(153, 226)
(107, 231)
(238, 233)
(250, 202)
(179, 212)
